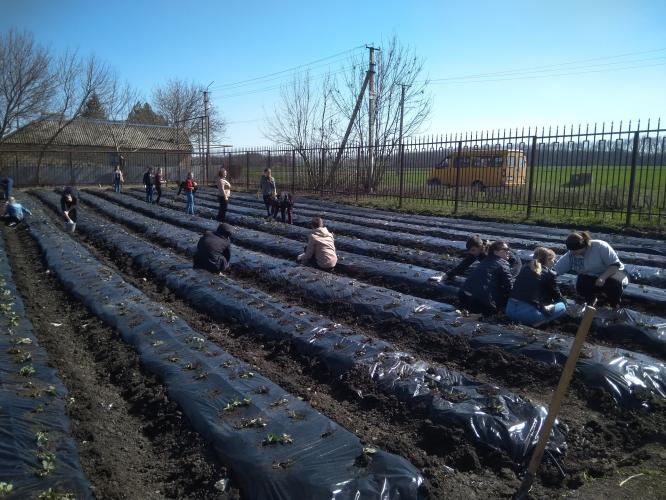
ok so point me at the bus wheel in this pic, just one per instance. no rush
(478, 186)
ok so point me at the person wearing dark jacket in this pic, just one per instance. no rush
(477, 250)
(536, 298)
(487, 288)
(148, 184)
(7, 184)
(284, 205)
(214, 250)
(69, 208)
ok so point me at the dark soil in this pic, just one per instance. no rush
(605, 445)
(133, 441)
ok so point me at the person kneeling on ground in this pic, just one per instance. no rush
(14, 212)
(477, 250)
(487, 288)
(284, 204)
(214, 250)
(320, 252)
(536, 298)
(600, 272)
(69, 208)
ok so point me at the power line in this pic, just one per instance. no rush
(289, 70)
(528, 77)
(531, 68)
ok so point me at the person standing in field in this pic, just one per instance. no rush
(320, 251)
(536, 298)
(118, 179)
(148, 184)
(268, 190)
(223, 194)
(158, 185)
(190, 188)
(7, 185)
(69, 208)
(600, 272)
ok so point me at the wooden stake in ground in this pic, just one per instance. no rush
(556, 402)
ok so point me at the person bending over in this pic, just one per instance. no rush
(14, 212)
(320, 251)
(600, 272)
(214, 250)
(477, 250)
(486, 290)
(536, 298)
(69, 207)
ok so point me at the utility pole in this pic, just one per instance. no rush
(402, 147)
(207, 123)
(371, 117)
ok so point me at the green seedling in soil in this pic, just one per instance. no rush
(51, 390)
(150, 332)
(22, 341)
(47, 462)
(23, 358)
(201, 376)
(273, 438)
(454, 396)
(261, 390)
(246, 375)
(369, 450)
(157, 343)
(27, 371)
(198, 342)
(494, 407)
(174, 359)
(14, 351)
(192, 366)
(6, 489)
(41, 438)
(279, 402)
(250, 423)
(296, 415)
(284, 464)
(39, 409)
(50, 494)
(236, 403)
(227, 364)
(169, 315)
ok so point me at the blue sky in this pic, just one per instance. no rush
(148, 42)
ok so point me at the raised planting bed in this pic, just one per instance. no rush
(490, 416)
(612, 369)
(554, 234)
(247, 419)
(38, 457)
(645, 329)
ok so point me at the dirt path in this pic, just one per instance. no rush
(133, 441)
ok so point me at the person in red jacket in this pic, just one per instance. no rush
(190, 188)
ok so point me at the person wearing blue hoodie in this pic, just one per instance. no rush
(14, 212)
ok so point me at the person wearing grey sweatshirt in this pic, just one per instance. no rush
(268, 189)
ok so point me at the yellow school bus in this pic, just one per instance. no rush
(481, 168)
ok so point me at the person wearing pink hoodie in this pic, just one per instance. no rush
(320, 252)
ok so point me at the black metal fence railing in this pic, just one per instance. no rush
(616, 172)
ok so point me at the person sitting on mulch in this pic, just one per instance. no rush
(536, 298)
(486, 290)
(320, 252)
(477, 250)
(14, 212)
(214, 250)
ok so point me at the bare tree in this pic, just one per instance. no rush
(396, 65)
(181, 104)
(304, 121)
(26, 84)
(118, 100)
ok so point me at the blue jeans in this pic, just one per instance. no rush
(529, 314)
(149, 194)
(116, 186)
(190, 203)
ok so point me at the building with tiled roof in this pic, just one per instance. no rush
(86, 152)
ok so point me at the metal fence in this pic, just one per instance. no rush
(601, 171)
(615, 171)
